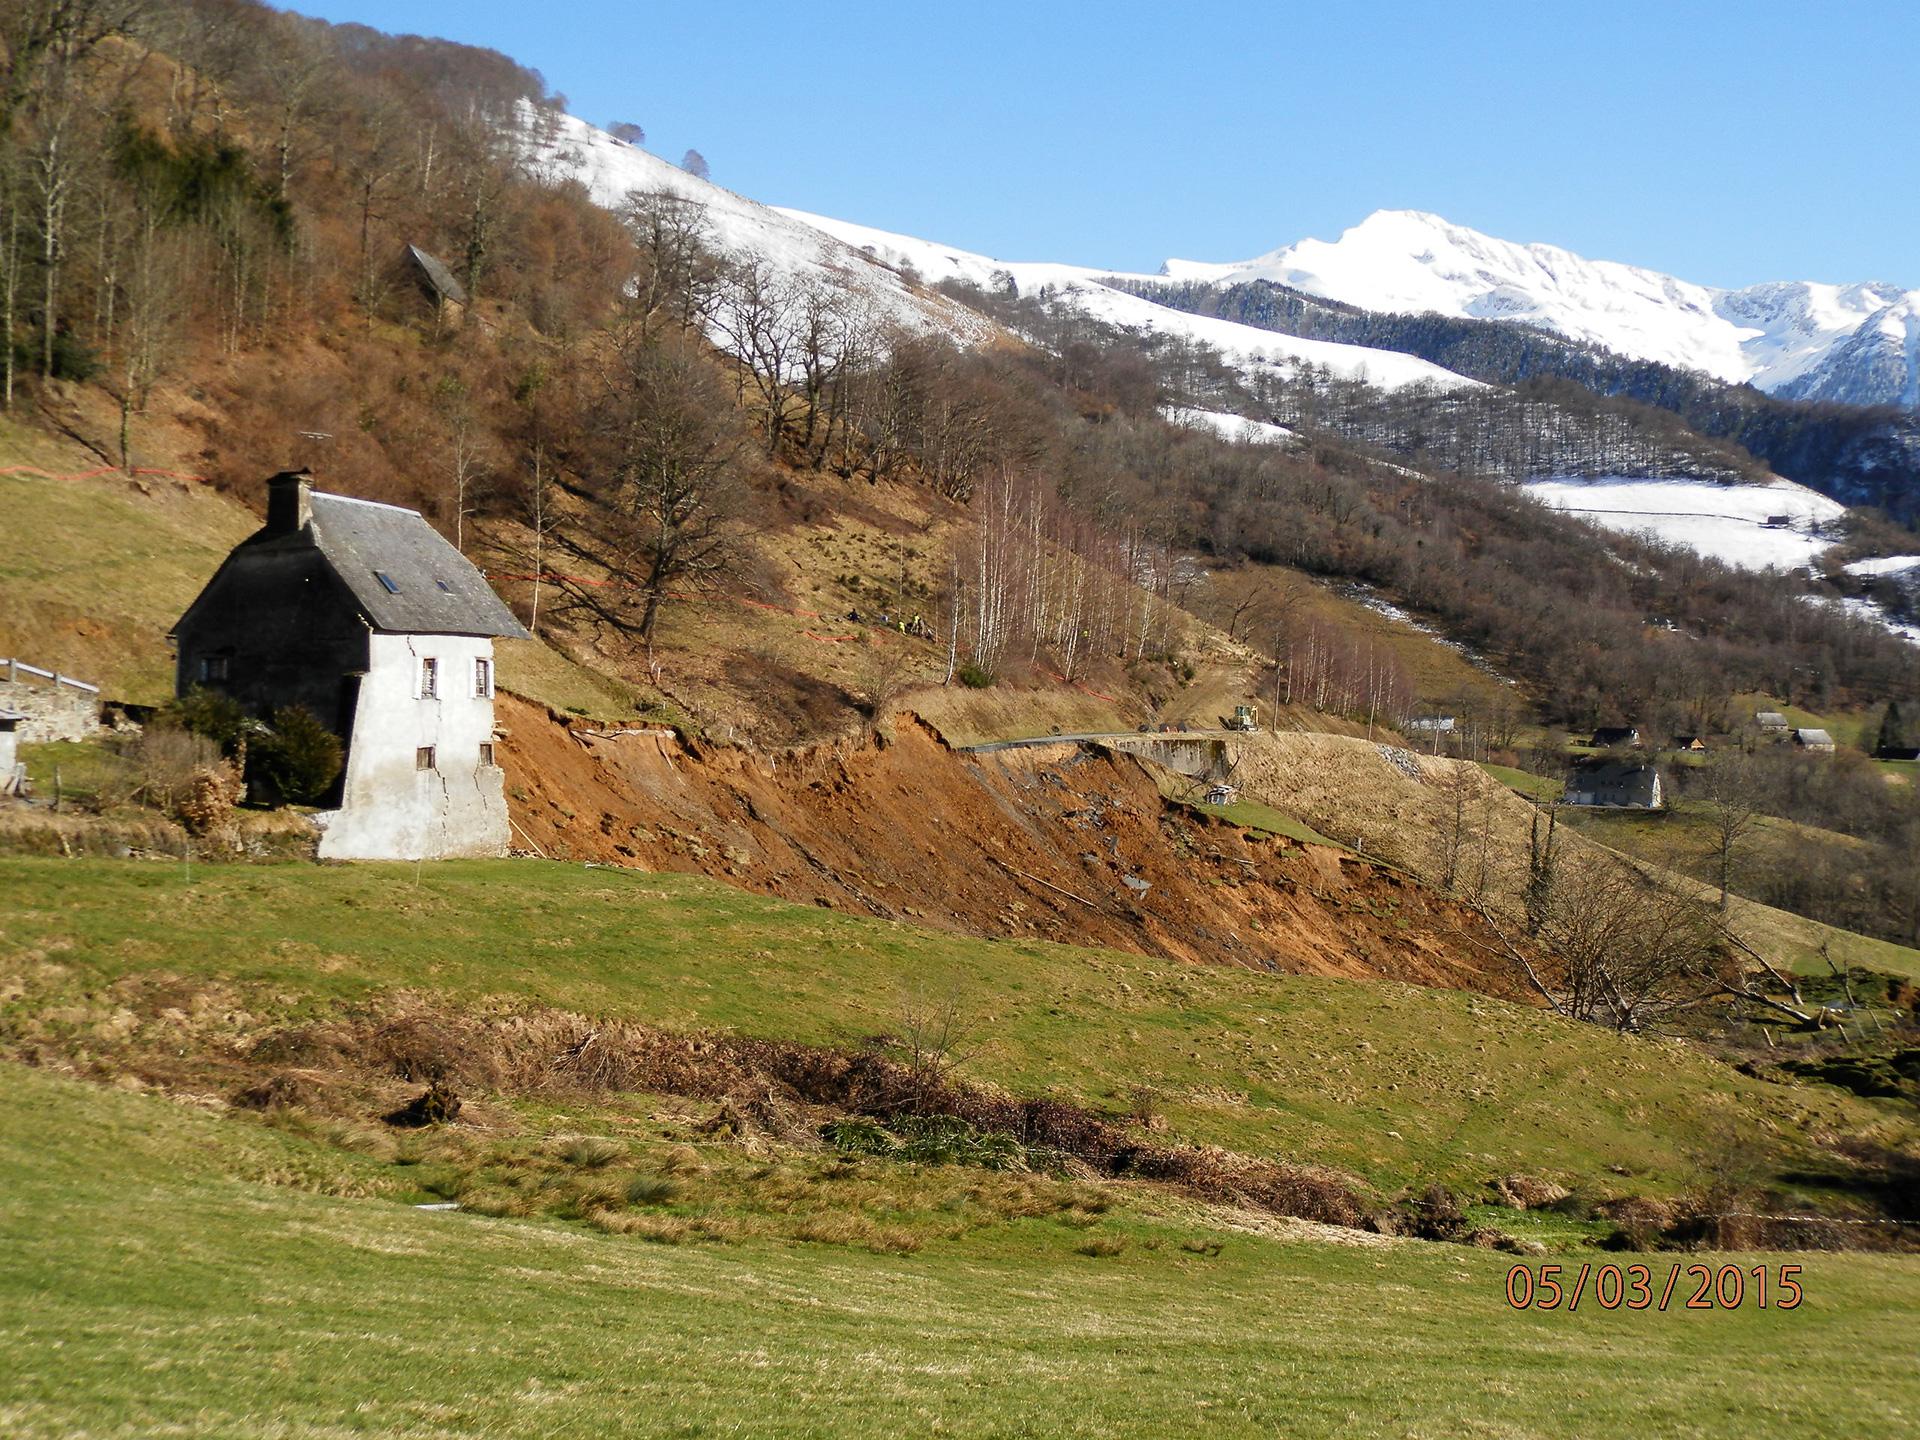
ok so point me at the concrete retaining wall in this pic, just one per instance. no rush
(1200, 757)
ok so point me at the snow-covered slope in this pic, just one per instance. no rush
(1884, 565)
(562, 146)
(1777, 526)
(1244, 346)
(1856, 343)
(804, 247)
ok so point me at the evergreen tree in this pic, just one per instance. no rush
(1893, 730)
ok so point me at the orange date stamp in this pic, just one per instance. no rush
(1639, 1287)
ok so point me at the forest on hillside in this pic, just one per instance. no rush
(1859, 455)
(208, 209)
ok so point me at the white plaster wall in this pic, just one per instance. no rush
(392, 810)
(9, 752)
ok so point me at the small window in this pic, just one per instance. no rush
(391, 585)
(423, 758)
(482, 679)
(213, 667)
(486, 755)
(429, 679)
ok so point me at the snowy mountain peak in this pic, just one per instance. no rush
(1856, 342)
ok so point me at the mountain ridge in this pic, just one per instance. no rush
(1853, 343)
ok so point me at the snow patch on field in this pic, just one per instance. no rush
(1775, 526)
(1884, 565)
(1870, 611)
(1232, 427)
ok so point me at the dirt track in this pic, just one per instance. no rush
(1054, 842)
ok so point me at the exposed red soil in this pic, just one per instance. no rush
(1035, 842)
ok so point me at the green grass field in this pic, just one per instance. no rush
(173, 1269)
(1397, 1084)
(1534, 787)
(1256, 816)
(170, 1272)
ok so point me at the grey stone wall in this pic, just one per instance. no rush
(54, 712)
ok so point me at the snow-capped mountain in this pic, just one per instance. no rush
(1245, 346)
(1800, 339)
(876, 265)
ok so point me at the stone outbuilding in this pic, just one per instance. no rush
(51, 706)
(1819, 742)
(366, 616)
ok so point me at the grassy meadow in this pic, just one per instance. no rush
(1399, 1085)
(173, 1272)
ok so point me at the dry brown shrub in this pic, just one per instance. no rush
(1526, 1192)
(661, 1229)
(283, 1089)
(834, 1228)
(894, 1240)
(208, 803)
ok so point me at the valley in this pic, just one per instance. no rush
(625, 808)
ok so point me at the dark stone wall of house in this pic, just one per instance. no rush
(289, 632)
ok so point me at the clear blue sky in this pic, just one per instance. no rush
(1725, 143)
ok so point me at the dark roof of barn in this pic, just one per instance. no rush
(437, 590)
(438, 276)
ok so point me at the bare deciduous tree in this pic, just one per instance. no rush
(1729, 790)
(666, 473)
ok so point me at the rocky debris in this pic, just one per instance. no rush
(1405, 761)
(992, 844)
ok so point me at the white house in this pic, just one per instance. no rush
(365, 615)
(9, 751)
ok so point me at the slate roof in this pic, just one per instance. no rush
(1812, 737)
(436, 590)
(438, 276)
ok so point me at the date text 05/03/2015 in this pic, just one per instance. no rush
(1639, 1287)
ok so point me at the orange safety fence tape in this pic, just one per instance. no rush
(103, 470)
(1085, 689)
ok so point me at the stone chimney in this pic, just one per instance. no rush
(289, 502)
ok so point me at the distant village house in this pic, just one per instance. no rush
(1690, 744)
(1621, 784)
(1771, 722)
(1818, 742)
(363, 614)
(1616, 737)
